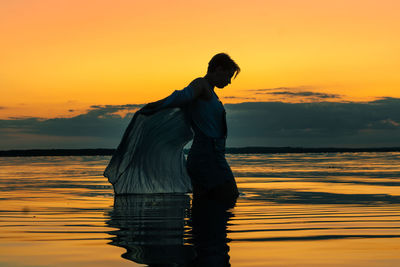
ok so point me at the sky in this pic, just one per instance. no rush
(314, 73)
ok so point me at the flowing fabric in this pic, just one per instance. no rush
(150, 158)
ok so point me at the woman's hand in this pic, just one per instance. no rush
(150, 108)
(147, 110)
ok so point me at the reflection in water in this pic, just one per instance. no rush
(152, 228)
(163, 230)
(337, 209)
(209, 221)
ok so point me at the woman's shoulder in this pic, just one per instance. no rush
(201, 86)
(198, 81)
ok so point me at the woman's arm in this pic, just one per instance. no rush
(178, 98)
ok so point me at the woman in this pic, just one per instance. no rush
(206, 165)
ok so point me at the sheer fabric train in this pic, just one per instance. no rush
(149, 158)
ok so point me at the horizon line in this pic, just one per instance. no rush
(229, 150)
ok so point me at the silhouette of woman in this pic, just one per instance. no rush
(150, 157)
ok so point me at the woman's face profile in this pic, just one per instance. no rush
(223, 77)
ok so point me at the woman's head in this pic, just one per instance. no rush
(222, 68)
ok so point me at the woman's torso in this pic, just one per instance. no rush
(209, 116)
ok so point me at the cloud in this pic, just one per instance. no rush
(305, 94)
(274, 89)
(238, 97)
(317, 124)
(295, 92)
(101, 126)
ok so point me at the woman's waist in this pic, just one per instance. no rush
(207, 130)
(204, 144)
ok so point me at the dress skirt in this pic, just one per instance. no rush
(207, 166)
(150, 157)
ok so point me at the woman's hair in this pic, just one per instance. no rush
(224, 61)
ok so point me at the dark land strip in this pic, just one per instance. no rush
(229, 150)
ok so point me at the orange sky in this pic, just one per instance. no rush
(67, 55)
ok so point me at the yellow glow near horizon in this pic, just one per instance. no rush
(61, 55)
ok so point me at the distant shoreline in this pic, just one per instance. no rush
(229, 150)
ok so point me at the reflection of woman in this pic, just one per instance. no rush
(162, 230)
(151, 227)
(209, 233)
(149, 158)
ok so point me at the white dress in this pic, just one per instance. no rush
(150, 158)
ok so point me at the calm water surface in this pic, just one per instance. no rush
(320, 209)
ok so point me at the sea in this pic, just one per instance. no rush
(295, 209)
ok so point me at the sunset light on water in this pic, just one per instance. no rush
(60, 211)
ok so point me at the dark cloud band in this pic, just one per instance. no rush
(316, 124)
